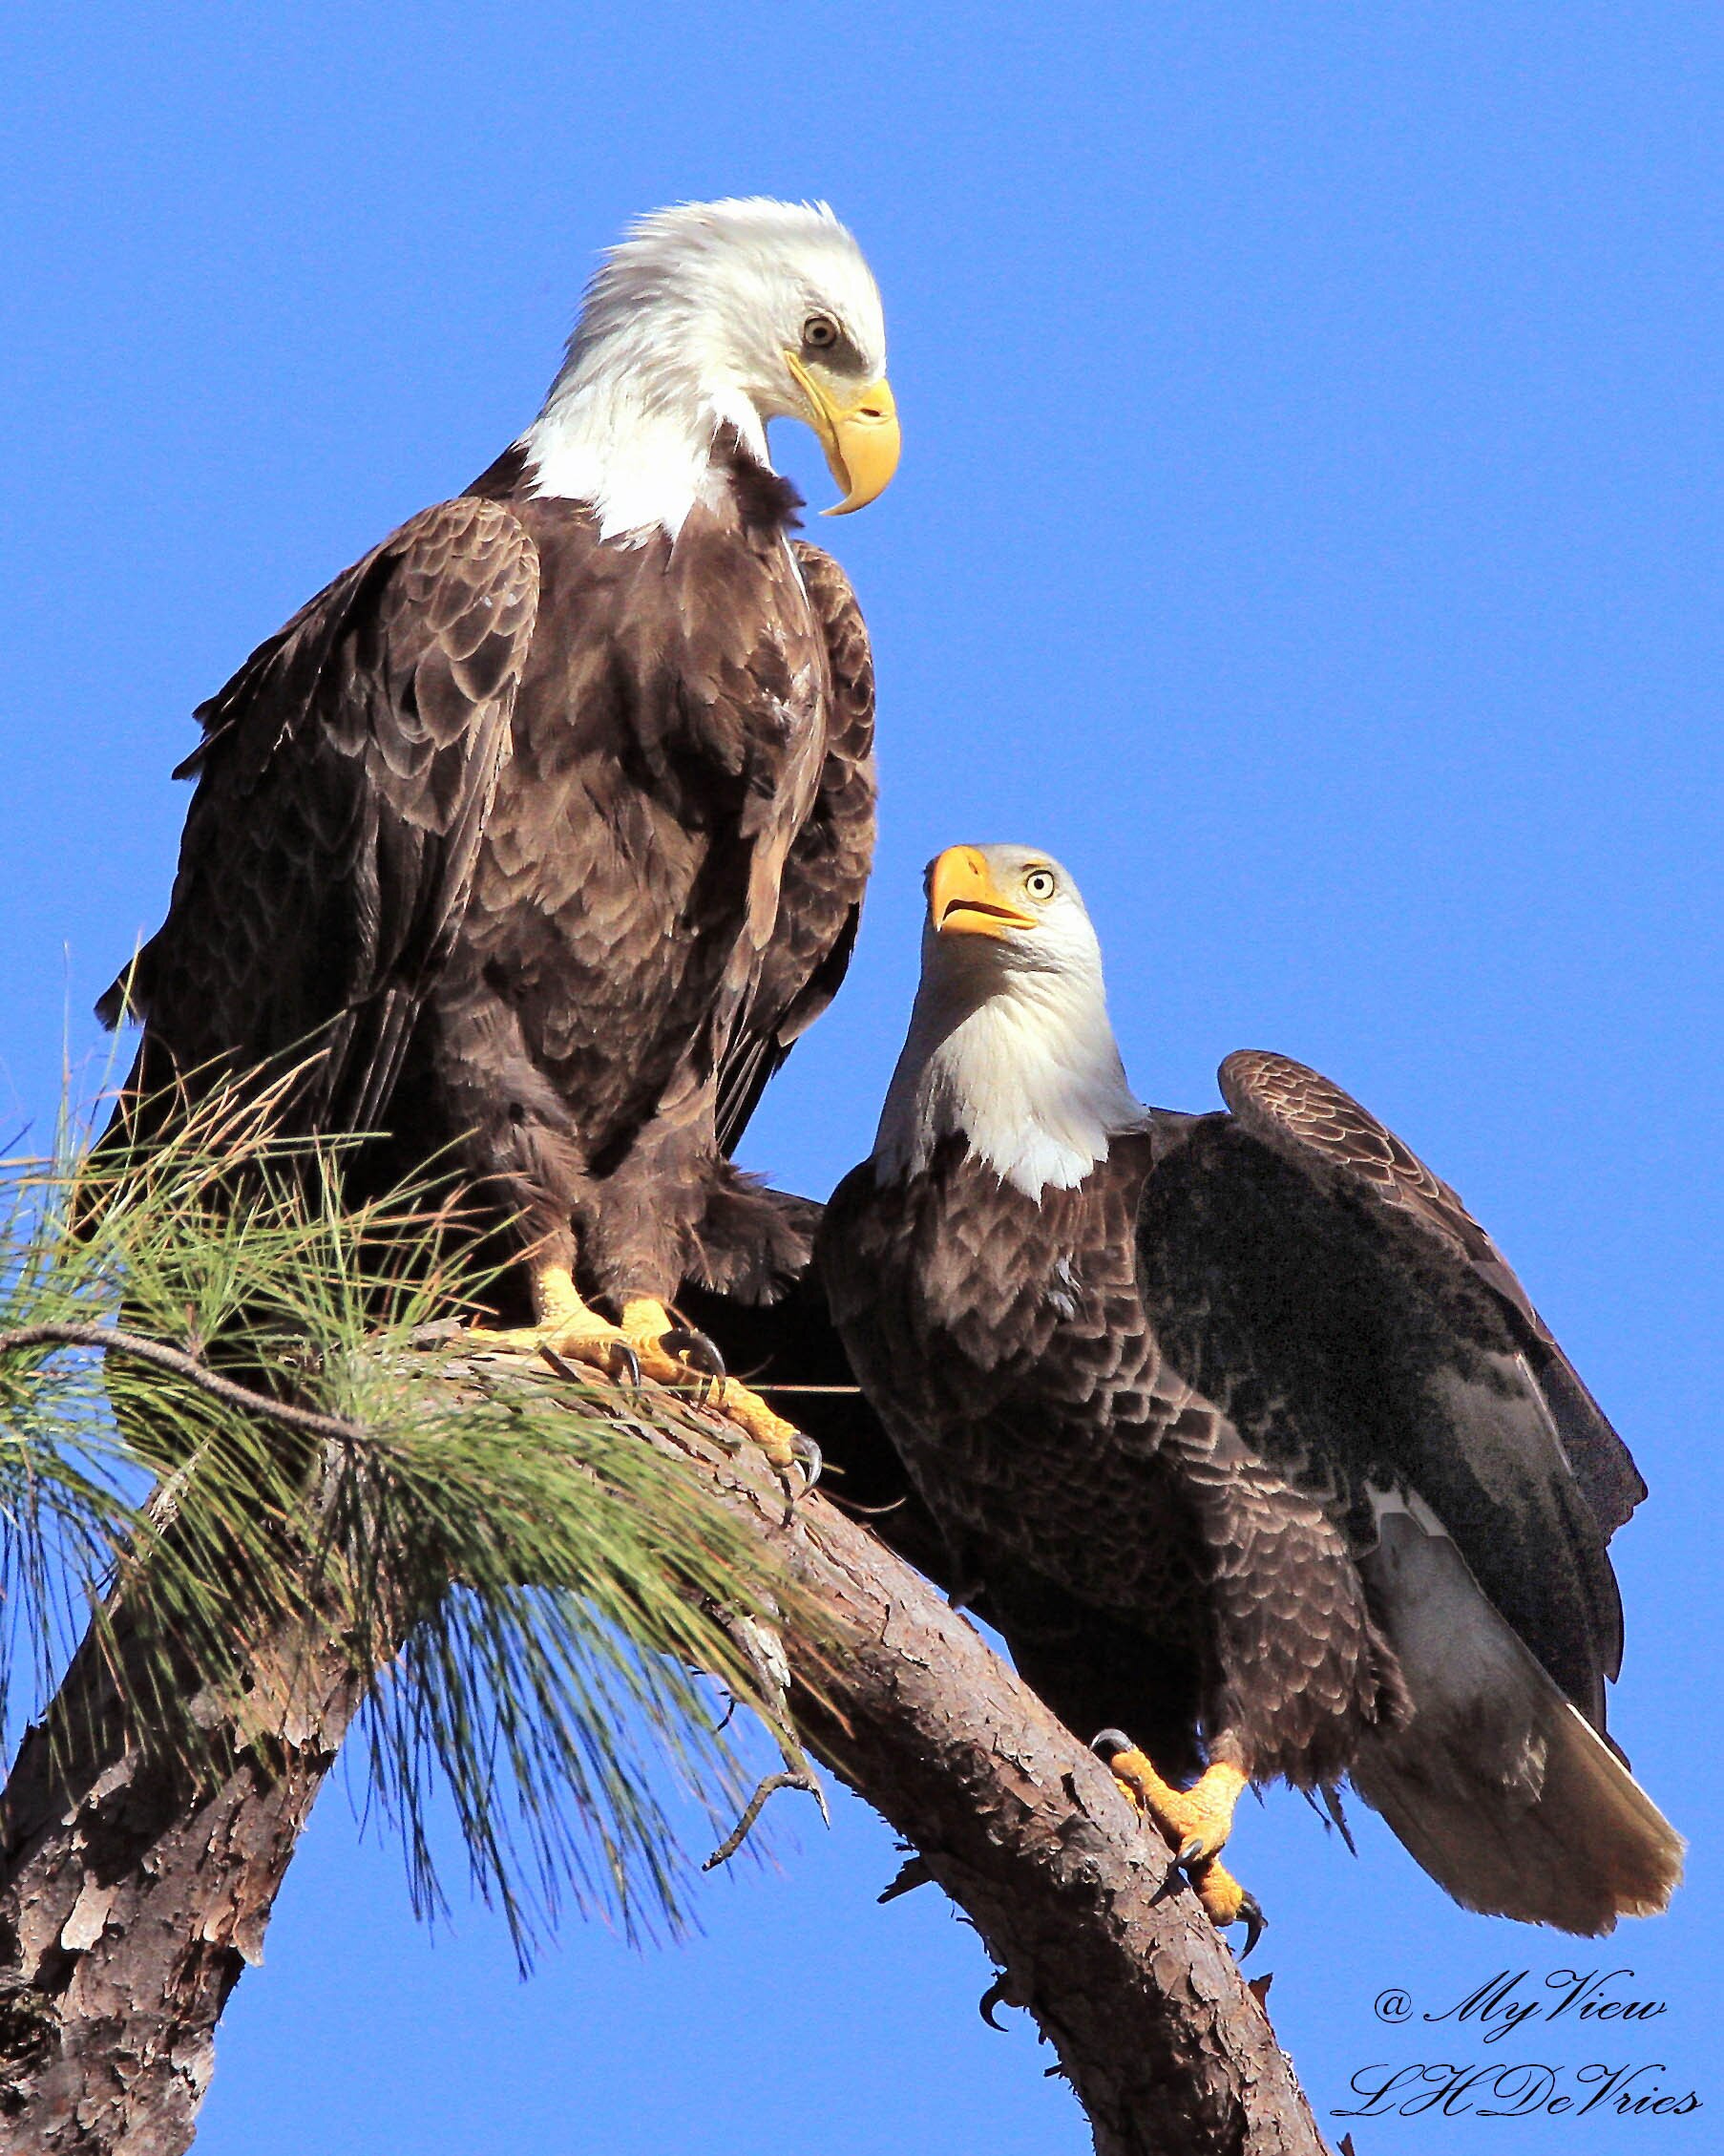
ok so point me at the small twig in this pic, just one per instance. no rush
(911, 1874)
(112, 1340)
(756, 1805)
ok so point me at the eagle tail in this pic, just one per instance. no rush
(1497, 1785)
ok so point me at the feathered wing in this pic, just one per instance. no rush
(343, 783)
(1304, 1266)
(825, 871)
(1315, 1123)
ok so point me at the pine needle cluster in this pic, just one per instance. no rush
(222, 1427)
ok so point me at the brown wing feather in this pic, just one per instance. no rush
(343, 781)
(1311, 1122)
(826, 872)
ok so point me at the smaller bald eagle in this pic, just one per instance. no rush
(539, 835)
(1258, 1392)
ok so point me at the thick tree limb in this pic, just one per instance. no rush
(133, 1895)
(131, 1899)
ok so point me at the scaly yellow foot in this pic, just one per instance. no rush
(1195, 1823)
(658, 1339)
(566, 1325)
(651, 1343)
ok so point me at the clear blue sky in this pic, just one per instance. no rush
(1307, 528)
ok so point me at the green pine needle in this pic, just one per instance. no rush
(530, 1588)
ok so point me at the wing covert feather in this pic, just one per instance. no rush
(1304, 1270)
(344, 782)
(1325, 1132)
(826, 872)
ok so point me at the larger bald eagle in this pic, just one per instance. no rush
(545, 826)
(1253, 1412)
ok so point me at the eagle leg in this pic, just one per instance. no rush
(1224, 1901)
(1196, 1821)
(650, 1342)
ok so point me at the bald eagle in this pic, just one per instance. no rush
(542, 831)
(1250, 1411)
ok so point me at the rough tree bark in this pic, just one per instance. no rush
(131, 1899)
(133, 1895)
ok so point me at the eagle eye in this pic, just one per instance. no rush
(1040, 885)
(819, 332)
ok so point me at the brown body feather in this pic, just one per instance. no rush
(1258, 1415)
(549, 847)
(1004, 1341)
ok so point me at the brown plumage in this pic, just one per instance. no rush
(548, 838)
(1005, 1342)
(1254, 1397)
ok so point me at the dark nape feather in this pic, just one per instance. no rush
(768, 501)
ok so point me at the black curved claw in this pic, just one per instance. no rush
(1107, 1743)
(995, 1996)
(809, 1459)
(1250, 1916)
(624, 1362)
(693, 1347)
(1192, 1851)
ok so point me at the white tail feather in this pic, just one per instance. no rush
(1503, 1792)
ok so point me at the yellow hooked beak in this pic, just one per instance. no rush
(963, 898)
(858, 430)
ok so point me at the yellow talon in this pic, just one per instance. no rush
(1196, 1821)
(776, 1438)
(566, 1325)
(651, 1343)
(651, 1330)
(1195, 1824)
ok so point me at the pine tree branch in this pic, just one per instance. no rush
(115, 1339)
(1094, 1931)
(130, 1896)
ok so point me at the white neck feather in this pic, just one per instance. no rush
(635, 438)
(1022, 1065)
(683, 332)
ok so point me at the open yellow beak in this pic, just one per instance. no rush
(964, 900)
(858, 430)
